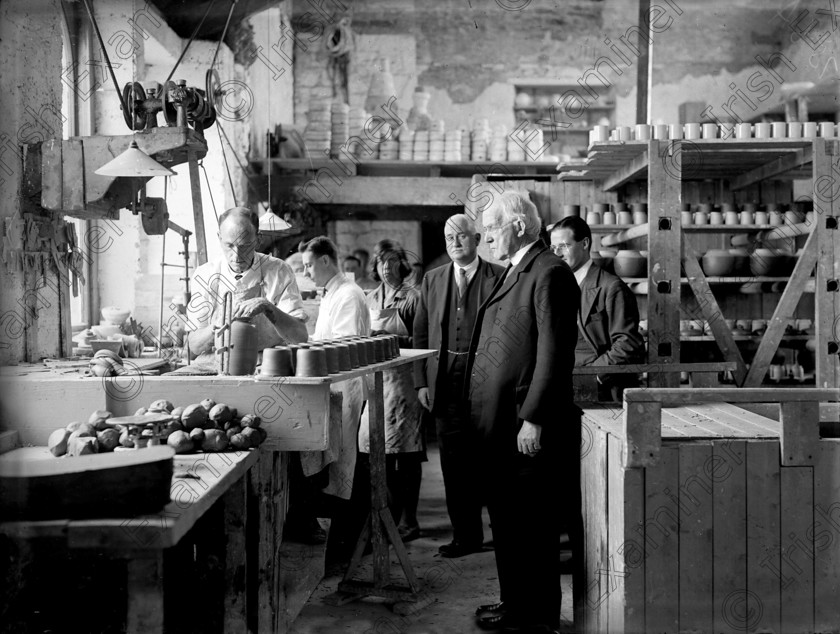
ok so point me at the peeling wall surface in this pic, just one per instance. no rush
(30, 65)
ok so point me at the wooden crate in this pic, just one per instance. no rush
(720, 521)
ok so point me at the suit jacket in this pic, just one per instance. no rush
(431, 320)
(522, 355)
(609, 320)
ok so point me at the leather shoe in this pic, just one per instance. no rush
(490, 607)
(501, 620)
(457, 549)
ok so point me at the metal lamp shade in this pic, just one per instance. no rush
(134, 163)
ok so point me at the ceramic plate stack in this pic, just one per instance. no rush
(421, 145)
(480, 140)
(436, 145)
(406, 152)
(317, 134)
(498, 144)
(340, 126)
(452, 146)
(516, 143)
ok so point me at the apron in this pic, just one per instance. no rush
(403, 412)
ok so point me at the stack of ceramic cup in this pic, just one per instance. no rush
(406, 152)
(516, 144)
(535, 145)
(317, 135)
(421, 145)
(340, 126)
(466, 145)
(436, 141)
(480, 140)
(498, 144)
(356, 119)
(452, 146)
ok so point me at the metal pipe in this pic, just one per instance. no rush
(162, 279)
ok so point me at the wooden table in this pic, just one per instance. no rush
(200, 482)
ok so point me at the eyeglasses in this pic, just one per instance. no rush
(562, 246)
(492, 229)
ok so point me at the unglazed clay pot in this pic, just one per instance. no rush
(767, 262)
(333, 364)
(243, 347)
(277, 362)
(311, 362)
(629, 263)
(718, 262)
(741, 264)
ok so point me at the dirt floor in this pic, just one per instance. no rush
(456, 586)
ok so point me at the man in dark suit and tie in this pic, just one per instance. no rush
(449, 299)
(608, 320)
(522, 409)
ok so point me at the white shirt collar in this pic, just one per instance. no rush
(334, 282)
(470, 268)
(516, 258)
(580, 274)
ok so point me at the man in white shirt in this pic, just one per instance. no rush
(263, 289)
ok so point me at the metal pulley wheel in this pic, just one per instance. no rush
(133, 97)
(213, 88)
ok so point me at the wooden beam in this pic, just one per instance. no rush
(785, 232)
(784, 311)
(800, 433)
(664, 194)
(330, 187)
(643, 72)
(627, 172)
(680, 396)
(637, 368)
(642, 438)
(827, 300)
(711, 311)
(774, 168)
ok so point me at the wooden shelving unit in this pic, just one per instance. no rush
(661, 172)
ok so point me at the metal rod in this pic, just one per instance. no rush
(107, 59)
(160, 316)
(222, 38)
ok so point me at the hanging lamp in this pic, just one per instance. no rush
(134, 163)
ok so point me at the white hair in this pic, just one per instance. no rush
(462, 221)
(515, 205)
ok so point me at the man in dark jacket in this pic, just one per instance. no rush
(449, 300)
(522, 408)
(608, 320)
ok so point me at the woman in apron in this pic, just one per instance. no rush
(393, 305)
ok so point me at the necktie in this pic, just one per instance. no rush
(462, 283)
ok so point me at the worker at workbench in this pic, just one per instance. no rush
(263, 289)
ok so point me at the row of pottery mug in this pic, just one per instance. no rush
(693, 131)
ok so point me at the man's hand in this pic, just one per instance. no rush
(528, 440)
(253, 307)
(423, 397)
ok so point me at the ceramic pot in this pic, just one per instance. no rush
(243, 347)
(333, 366)
(740, 261)
(362, 351)
(571, 210)
(608, 259)
(277, 362)
(311, 362)
(767, 262)
(718, 262)
(344, 361)
(629, 263)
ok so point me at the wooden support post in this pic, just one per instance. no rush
(664, 192)
(378, 486)
(800, 433)
(198, 208)
(827, 293)
(145, 593)
(236, 562)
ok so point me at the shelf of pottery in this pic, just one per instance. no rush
(416, 136)
(732, 264)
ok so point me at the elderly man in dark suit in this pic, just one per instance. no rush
(608, 320)
(522, 408)
(449, 299)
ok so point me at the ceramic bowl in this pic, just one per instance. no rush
(115, 314)
(630, 263)
(718, 262)
(767, 262)
(741, 261)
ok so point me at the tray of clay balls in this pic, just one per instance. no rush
(328, 357)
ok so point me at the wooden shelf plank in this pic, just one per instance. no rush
(775, 168)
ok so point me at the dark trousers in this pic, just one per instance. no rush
(525, 509)
(460, 481)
